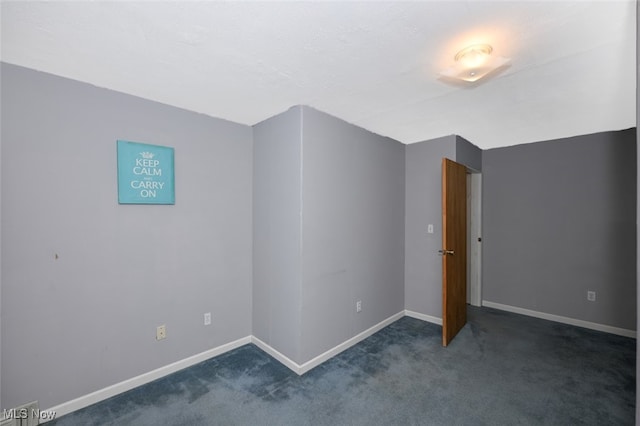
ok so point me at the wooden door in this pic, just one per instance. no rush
(454, 249)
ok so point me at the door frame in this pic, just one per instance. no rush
(474, 235)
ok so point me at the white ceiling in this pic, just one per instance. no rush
(374, 64)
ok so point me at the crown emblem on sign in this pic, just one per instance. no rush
(147, 154)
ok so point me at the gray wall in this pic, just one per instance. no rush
(87, 320)
(559, 219)
(328, 231)
(468, 154)
(353, 230)
(277, 204)
(423, 264)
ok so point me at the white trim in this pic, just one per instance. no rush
(475, 246)
(423, 317)
(565, 320)
(300, 369)
(118, 388)
(348, 343)
(109, 391)
(288, 362)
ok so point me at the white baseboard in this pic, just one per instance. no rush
(283, 359)
(424, 317)
(312, 363)
(348, 343)
(109, 391)
(565, 320)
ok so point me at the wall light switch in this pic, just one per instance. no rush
(207, 318)
(430, 228)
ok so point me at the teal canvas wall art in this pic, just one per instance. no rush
(145, 173)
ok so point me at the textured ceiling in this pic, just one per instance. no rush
(374, 64)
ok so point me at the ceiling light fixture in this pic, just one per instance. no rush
(474, 62)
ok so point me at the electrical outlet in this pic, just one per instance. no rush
(207, 318)
(591, 296)
(359, 306)
(161, 332)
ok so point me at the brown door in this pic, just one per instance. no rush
(454, 249)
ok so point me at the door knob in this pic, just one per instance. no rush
(443, 252)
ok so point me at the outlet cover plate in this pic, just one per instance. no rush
(161, 332)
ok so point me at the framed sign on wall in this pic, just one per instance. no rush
(145, 174)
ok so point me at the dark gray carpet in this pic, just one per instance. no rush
(502, 369)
